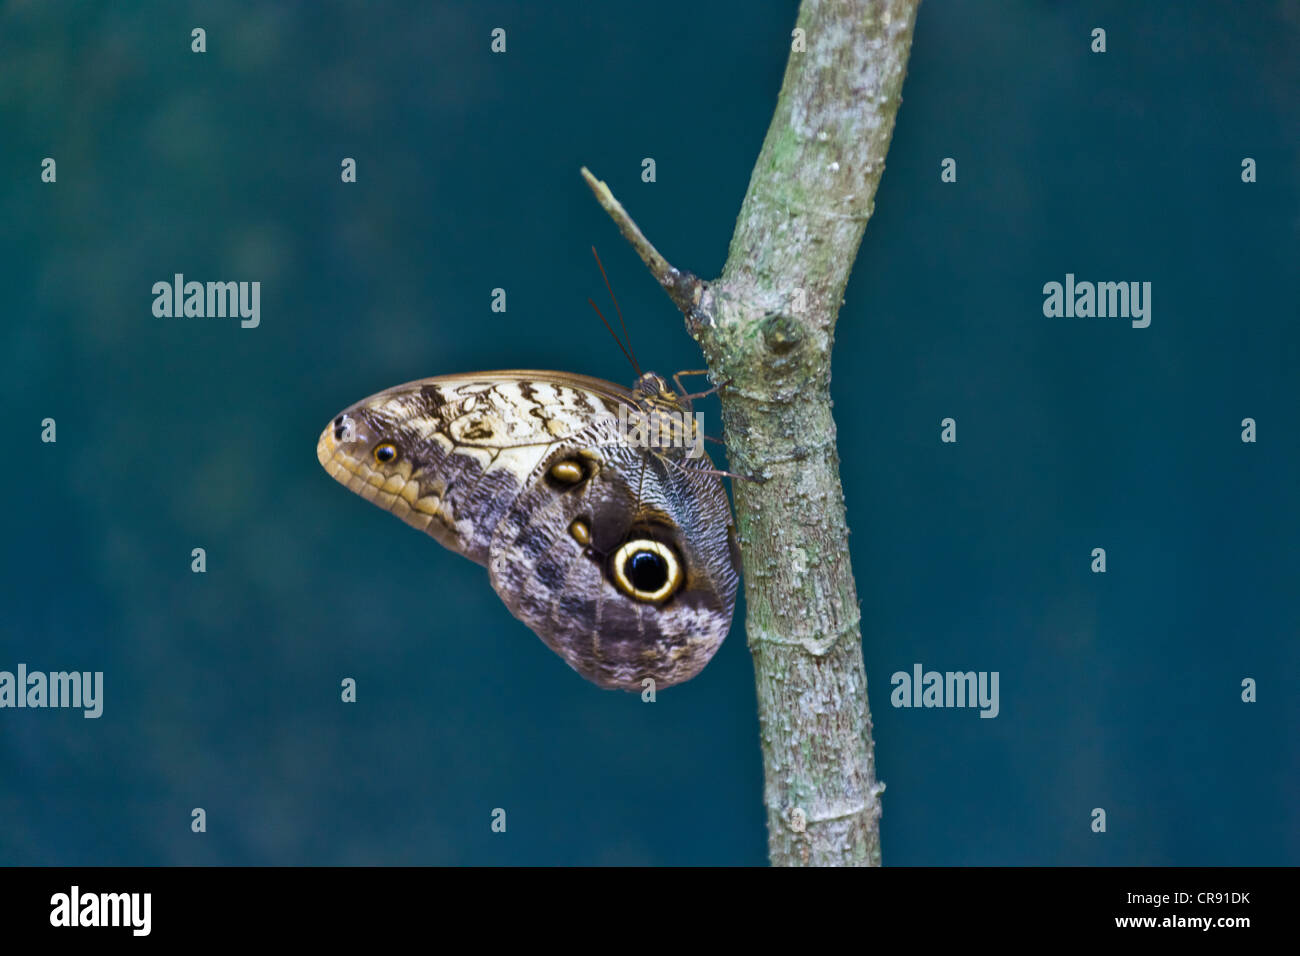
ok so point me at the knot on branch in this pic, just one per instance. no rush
(780, 358)
(782, 334)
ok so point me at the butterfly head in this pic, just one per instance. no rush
(651, 390)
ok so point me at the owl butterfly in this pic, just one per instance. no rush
(617, 551)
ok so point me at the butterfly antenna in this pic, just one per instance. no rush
(623, 348)
(628, 351)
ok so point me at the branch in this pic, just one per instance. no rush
(682, 287)
(766, 328)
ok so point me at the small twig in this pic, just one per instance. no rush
(684, 288)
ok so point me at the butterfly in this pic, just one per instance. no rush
(617, 550)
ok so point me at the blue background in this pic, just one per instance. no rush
(1119, 691)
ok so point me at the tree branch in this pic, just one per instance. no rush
(766, 327)
(684, 288)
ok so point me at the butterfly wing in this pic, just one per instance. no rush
(622, 561)
(462, 446)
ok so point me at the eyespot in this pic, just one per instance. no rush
(581, 531)
(566, 472)
(385, 453)
(646, 570)
(345, 429)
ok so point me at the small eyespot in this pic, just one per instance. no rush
(581, 532)
(345, 429)
(566, 472)
(385, 453)
(646, 570)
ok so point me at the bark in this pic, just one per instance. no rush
(766, 328)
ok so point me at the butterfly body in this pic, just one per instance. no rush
(621, 557)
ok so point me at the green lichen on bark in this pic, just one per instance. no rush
(766, 328)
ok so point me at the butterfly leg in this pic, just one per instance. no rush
(677, 380)
(709, 471)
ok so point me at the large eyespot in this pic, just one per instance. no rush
(646, 570)
(385, 453)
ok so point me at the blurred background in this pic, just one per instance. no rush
(1120, 691)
